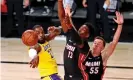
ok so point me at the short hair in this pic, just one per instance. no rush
(98, 37)
(91, 28)
(36, 26)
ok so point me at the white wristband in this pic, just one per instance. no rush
(32, 53)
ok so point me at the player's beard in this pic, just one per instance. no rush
(41, 40)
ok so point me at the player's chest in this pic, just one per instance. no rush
(46, 46)
(94, 65)
(93, 61)
(70, 47)
(71, 52)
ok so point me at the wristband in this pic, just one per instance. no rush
(119, 24)
(32, 53)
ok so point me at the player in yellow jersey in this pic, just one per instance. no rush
(41, 53)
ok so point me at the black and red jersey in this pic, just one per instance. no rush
(71, 54)
(94, 67)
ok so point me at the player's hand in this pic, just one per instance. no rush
(26, 3)
(84, 3)
(68, 11)
(119, 18)
(51, 29)
(34, 62)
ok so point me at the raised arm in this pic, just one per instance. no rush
(109, 50)
(65, 23)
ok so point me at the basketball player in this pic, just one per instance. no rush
(96, 60)
(41, 54)
(74, 40)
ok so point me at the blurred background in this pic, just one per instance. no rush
(44, 12)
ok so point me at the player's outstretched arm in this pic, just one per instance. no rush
(33, 54)
(65, 23)
(109, 50)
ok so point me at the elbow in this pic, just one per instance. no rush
(115, 42)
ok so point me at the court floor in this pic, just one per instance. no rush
(14, 59)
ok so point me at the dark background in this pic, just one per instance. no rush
(51, 18)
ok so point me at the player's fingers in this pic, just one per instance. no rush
(30, 65)
(114, 19)
(50, 28)
(121, 16)
(31, 62)
(33, 66)
(117, 14)
(35, 63)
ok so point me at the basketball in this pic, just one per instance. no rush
(29, 38)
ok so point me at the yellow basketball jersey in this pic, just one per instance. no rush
(47, 64)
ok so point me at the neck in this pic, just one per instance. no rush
(95, 54)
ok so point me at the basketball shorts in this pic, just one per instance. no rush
(51, 77)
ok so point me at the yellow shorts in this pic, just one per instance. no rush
(52, 77)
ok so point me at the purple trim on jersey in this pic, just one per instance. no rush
(55, 77)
